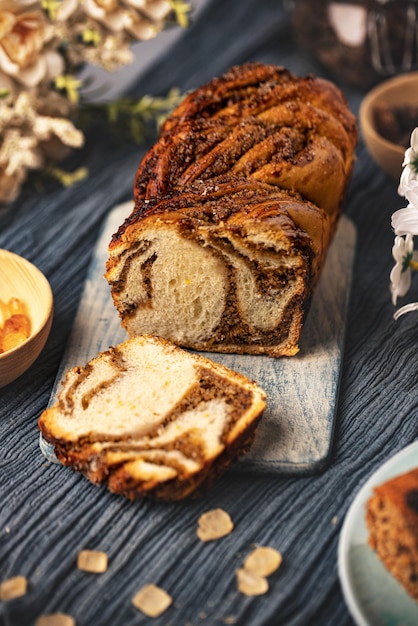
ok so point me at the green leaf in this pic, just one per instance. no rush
(414, 164)
(406, 261)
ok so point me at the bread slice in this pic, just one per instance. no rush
(392, 522)
(225, 267)
(152, 420)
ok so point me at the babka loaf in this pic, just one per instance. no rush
(150, 419)
(392, 521)
(235, 207)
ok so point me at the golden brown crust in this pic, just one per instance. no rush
(257, 122)
(99, 467)
(230, 199)
(221, 91)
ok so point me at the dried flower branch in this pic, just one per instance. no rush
(43, 46)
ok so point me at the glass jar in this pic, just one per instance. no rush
(361, 43)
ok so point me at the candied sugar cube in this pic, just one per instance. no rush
(152, 600)
(13, 588)
(251, 584)
(15, 325)
(15, 306)
(93, 561)
(263, 561)
(55, 619)
(11, 339)
(260, 563)
(214, 524)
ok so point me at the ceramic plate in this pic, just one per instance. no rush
(373, 596)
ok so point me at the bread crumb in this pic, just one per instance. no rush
(263, 561)
(214, 524)
(13, 588)
(152, 600)
(92, 561)
(251, 584)
(55, 619)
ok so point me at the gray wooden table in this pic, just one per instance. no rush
(48, 513)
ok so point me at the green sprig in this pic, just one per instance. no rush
(69, 85)
(181, 10)
(130, 118)
(51, 7)
(67, 178)
(406, 261)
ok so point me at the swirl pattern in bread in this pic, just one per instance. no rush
(151, 420)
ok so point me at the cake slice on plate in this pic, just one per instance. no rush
(392, 521)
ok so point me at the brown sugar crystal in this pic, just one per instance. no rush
(250, 583)
(55, 619)
(214, 524)
(152, 600)
(13, 588)
(92, 561)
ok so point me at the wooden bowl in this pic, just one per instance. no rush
(395, 92)
(21, 279)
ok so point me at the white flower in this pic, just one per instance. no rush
(408, 308)
(44, 128)
(66, 9)
(405, 225)
(33, 130)
(155, 9)
(10, 185)
(107, 12)
(408, 184)
(140, 18)
(24, 54)
(19, 152)
(405, 220)
(111, 54)
(400, 276)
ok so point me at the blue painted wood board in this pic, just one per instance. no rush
(296, 431)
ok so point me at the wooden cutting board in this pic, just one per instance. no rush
(296, 432)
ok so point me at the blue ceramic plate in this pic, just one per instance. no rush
(373, 596)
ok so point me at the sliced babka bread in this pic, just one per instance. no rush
(150, 419)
